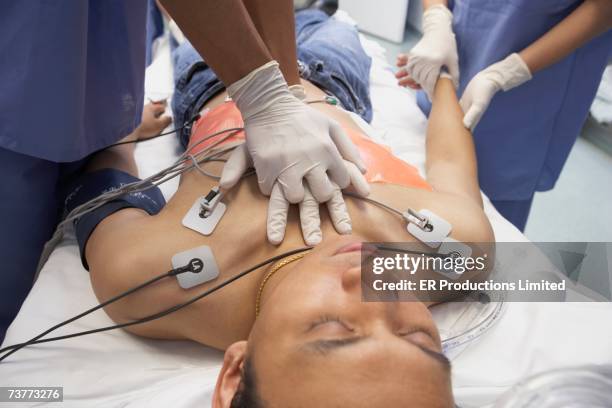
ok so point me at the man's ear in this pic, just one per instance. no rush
(230, 375)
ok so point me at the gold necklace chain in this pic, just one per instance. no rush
(274, 269)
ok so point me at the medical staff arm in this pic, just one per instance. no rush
(590, 19)
(275, 23)
(429, 3)
(295, 149)
(223, 32)
(451, 158)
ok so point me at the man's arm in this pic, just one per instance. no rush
(223, 32)
(428, 3)
(451, 159)
(590, 19)
(118, 157)
(121, 157)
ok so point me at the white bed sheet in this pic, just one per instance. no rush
(116, 369)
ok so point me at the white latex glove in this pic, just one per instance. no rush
(288, 141)
(278, 207)
(298, 91)
(310, 219)
(436, 49)
(503, 75)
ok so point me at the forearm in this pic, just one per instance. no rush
(429, 3)
(116, 157)
(121, 156)
(275, 23)
(590, 19)
(451, 158)
(223, 32)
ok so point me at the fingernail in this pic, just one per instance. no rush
(274, 240)
(313, 238)
(366, 190)
(345, 228)
(275, 236)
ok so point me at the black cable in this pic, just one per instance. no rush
(149, 138)
(35, 340)
(14, 348)
(128, 292)
(189, 122)
(408, 251)
(371, 201)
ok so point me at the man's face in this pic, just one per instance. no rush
(316, 344)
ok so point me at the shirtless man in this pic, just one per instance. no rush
(314, 342)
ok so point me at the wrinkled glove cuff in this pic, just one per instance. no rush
(512, 72)
(444, 74)
(259, 90)
(437, 16)
(298, 91)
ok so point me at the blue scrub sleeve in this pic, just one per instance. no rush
(91, 185)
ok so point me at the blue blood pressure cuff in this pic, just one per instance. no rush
(91, 185)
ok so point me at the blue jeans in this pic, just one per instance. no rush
(329, 55)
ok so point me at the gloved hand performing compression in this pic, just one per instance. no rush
(288, 142)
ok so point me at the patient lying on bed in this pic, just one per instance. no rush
(314, 343)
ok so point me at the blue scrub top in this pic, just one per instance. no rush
(71, 75)
(526, 134)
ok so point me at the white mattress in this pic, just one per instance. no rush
(116, 369)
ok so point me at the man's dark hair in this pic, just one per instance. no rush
(246, 396)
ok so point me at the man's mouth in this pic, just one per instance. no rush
(357, 246)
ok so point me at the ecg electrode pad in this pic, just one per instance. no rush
(202, 260)
(434, 233)
(204, 222)
(452, 248)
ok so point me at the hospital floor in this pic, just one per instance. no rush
(579, 208)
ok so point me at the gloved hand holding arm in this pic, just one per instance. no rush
(436, 49)
(590, 19)
(503, 75)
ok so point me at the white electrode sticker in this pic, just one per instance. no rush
(451, 248)
(195, 220)
(201, 260)
(436, 230)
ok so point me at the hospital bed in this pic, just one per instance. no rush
(117, 369)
